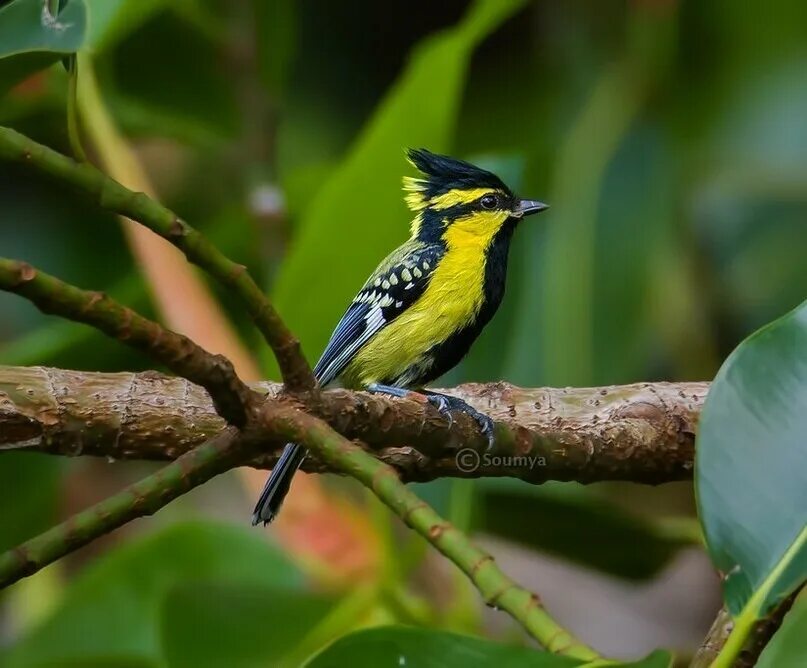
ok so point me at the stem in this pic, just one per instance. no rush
(113, 196)
(496, 588)
(138, 500)
(736, 640)
(213, 372)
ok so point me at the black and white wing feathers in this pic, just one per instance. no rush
(394, 286)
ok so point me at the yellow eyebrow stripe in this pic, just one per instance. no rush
(456, 196)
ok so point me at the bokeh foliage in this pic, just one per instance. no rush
(669, 138)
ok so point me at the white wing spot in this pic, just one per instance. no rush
(417, 272)
(377, 282)
(408, 286)
(398, 304)
(393, 279)
(385, 285)
(406, 275)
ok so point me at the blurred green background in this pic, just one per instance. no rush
(670, 139)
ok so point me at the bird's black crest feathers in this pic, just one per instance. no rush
(444, 173)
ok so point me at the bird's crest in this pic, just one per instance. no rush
(443, 174)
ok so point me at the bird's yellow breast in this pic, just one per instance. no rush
(451, 301)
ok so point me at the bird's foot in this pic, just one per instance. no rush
(446, 404)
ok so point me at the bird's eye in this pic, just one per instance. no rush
(489, 201)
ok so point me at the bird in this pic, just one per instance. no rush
(418, 313)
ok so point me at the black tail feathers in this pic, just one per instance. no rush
(277, 486)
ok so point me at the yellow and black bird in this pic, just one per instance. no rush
(422, 308)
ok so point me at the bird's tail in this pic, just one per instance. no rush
(277, 486)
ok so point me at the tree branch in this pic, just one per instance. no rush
(215, 373)
(642, 433)
(138, 500)
(139, 207)
(496, 588)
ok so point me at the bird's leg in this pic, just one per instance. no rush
(391, 390)
(444, 403)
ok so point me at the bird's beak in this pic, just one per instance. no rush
(527, 207)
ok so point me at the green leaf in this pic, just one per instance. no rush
(31, 39)
(788, 647)
(393, 646)
(119, 598)
(362, 200)
(751, 467)
(616, 542)
(236, 625)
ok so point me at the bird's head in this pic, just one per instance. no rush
(455, 199)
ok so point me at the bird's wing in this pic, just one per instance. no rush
(394, 286)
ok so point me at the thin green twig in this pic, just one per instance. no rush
(213, 372)
(138, 500)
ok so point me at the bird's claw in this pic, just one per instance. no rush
(488, 428)
(445, 405)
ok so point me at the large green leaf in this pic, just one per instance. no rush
(788, 647)
(394, 646)
(358, 216)
(236, 625)
(751, 467)
(112, 609)
(31, 39)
